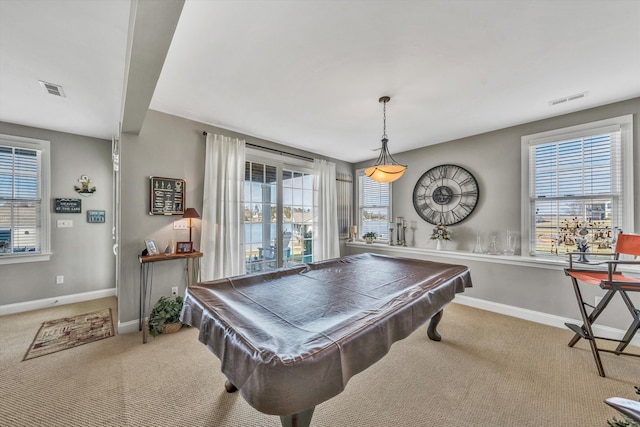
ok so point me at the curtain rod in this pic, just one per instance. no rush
(273, 150)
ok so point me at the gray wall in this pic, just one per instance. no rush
(494, 159)
(173, 147)
(82, 254)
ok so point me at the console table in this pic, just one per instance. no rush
(192, 274)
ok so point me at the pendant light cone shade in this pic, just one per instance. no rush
(386, 168)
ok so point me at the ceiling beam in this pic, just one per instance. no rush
(151, 28)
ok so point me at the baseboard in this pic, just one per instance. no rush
(20, 307)
(539, 317)
(128, 327)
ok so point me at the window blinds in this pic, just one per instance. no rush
(20, 200)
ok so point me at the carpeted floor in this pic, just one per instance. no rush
(489, 370)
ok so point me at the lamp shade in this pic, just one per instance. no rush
(191, 213)
(386, 168)
(385, 173)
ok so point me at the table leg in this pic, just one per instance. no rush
(228, 385)
(433, 324)
(146, 288)
(301, 419)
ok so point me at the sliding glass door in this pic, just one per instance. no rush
(278, 215)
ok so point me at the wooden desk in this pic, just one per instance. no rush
(192, 274)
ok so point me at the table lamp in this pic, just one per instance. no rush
(190, 213)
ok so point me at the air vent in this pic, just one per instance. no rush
(568, 98)
(52, 88)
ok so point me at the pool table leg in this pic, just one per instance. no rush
(228, 385)
(433, 324)
(301, 419)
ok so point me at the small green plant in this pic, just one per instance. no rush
(167, 310)
(370, 235)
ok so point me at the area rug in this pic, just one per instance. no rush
(68, 332)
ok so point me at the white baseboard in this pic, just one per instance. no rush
(539, 317)
(20, 307)
(128, 327)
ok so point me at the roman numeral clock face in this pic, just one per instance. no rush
(445, 194)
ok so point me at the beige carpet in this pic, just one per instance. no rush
(489, 370)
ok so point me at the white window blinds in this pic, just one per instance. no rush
(577, 190)
(374, 200)
(20, 200)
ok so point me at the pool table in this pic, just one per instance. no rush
(292, 338)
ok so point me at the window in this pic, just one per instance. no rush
(374, 206)
(278, 213)
(24, 199)
(578, 186)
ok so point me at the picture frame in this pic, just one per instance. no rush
(166, 196)
(152, 249)
(184, 247)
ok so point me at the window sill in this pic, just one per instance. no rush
(559, 263)
(19, 258)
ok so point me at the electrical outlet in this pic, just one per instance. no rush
(64, 223)
(174, 290)
(59, 280)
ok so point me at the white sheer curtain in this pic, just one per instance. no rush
(325, 240)
(222, 239)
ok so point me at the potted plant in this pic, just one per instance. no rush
(440, 234)
(165, 316)
(370, 237)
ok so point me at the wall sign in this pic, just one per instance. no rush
(95, 216)
(68, 206)
(166, 196)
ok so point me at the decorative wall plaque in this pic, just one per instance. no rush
(95, 216)
(68, 206)
(166, 196)
(84, 189)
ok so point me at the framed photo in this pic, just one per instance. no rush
(152, 249)
(184, 247)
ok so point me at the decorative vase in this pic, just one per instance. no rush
(368, 240)
(440, 244)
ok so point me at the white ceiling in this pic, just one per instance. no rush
(308, 74)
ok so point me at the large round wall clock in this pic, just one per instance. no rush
(445, 194)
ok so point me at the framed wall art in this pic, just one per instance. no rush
(166, 196)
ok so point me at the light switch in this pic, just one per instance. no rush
(65, 223)
(181, 224)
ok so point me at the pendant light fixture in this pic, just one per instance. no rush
(386, 168)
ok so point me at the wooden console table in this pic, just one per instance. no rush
(192, 274)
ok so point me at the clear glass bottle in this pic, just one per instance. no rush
(511, 243)
(493, 248)
(478, 249)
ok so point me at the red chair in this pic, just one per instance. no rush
(612, 281)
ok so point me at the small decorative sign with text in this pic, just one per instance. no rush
(68, 206)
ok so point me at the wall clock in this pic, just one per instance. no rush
(445, 194)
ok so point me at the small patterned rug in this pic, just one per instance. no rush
(68, 332)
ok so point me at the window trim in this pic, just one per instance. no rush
(360, 173)
(624, 123)
(44, 147)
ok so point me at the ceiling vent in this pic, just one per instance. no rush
(52, 89)
(568, 98)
